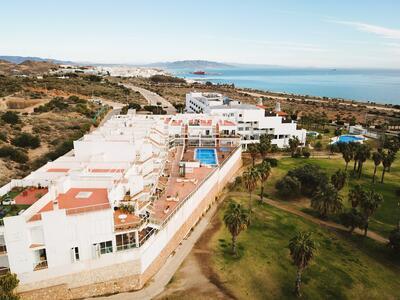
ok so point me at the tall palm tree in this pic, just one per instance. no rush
(388, 157)
(355, 195)
(363, 153)
(370, 202)
(263, 149)
(347, 153)
(264, 170)
(253, 150)
(236, 219)
(250, 178)
(327, 200)
(302, 250)
(377, 158)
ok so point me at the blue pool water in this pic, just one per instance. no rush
(349, 138)
(206, 156)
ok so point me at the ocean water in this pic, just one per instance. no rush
(374, 85)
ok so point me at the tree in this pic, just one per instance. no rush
(370, 201)
(327, 200)
(311, 177)
(264, 170)
(289, 186)
(394, 240)
(236, 219)
(26, 140)
(265, 145)
(250, 178)
(338, 179)
(355, 195)
(377, 158)
(302, 250)
(294, 142)
(253, 150)
(347, 153)
(10, 117)
(352, 219)
(362, 154)
(8, 284)
(388, 157)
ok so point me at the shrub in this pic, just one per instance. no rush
(318, 146)
(394, 240)
(14, 154)
(289, 186)
(311, 177)
(10, 117)
(306, 153)
(273, 162)
(8, 283)
(166, 79)
(3, 136)
(26, 140)
(326, 130)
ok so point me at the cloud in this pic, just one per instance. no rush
(385, 32)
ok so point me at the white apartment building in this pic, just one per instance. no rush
(113, 210)
(252, 120)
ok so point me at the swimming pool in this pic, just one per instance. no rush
(349, 138)
(206, 156)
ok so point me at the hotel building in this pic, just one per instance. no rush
(252, 120)
(105, 217)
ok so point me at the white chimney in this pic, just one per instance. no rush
(260, 101)
(277, 107)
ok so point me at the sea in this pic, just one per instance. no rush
(367, 85)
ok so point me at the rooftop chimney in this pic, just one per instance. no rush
(259, 101)
(277, 107)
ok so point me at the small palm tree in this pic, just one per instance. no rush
(388, 157)
(327, 200)
(264, 170)
(250, 179)
(236, 219)
(302, 250)
(377, 158)
(338, 179)
(355, 195)
(363, 153)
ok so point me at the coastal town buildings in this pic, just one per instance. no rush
(252, 120)
(105, 217)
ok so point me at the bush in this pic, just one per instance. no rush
(306, 153)
(166, 79)
(10, 117)
(273, 162)
(14, 154)
(394, 240)
(289, 186)
(326, 130)
(3, 136)
(318, 146)
(8, 283)
(311, 177)
(26, 140)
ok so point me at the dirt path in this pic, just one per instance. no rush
(328, 224)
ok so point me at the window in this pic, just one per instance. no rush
(105, 247)
(75, 254)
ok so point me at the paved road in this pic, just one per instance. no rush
(153, 98)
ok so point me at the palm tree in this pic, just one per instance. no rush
(250, 178)
(338, 179)
(388, 157)
(265, 145)
(236, 219)
(377, 158)
(347, 153)
(302, 249)
(355, 195)
(264, 170)
(370, 202)
(363, 153)
(327, 200)
(293, 144)
(253, 150)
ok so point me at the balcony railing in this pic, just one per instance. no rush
(126, 246)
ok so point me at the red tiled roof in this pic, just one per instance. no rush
(106, 170)
(30, 196)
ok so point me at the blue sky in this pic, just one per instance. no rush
(341, 33)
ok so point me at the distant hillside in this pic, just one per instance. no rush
(26, 67)
(20, 59)
(190, 64)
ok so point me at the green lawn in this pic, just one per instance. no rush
(345, 267)
(387, 215)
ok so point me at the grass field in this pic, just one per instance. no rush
(386, 216)
(345, 267)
